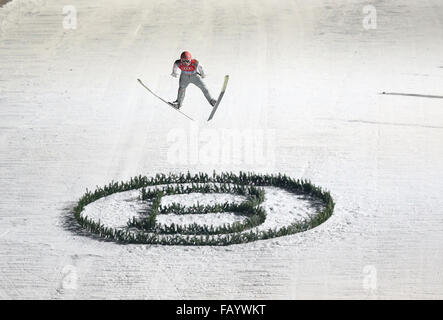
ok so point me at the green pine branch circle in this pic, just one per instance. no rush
(146, 230)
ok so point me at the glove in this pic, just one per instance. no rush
(174, 75)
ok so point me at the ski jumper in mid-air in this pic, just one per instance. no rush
(191, 72)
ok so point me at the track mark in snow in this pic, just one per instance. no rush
(395, 124)
(412, 95)
(414, 125)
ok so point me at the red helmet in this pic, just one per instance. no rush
(185, 55)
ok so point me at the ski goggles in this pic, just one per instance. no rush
(186, 61)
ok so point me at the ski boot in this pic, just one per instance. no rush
(175, 104)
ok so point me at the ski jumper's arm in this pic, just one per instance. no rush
(200, 70)
(175, 68)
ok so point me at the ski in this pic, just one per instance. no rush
(225, 83)
(168, 103)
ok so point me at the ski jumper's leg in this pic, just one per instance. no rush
(183, 84)
(197, 80)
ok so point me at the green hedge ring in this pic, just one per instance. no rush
(146, 230)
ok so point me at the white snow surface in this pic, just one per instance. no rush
(215, 219)
(305, 78)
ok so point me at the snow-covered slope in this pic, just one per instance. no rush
(305, 83)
